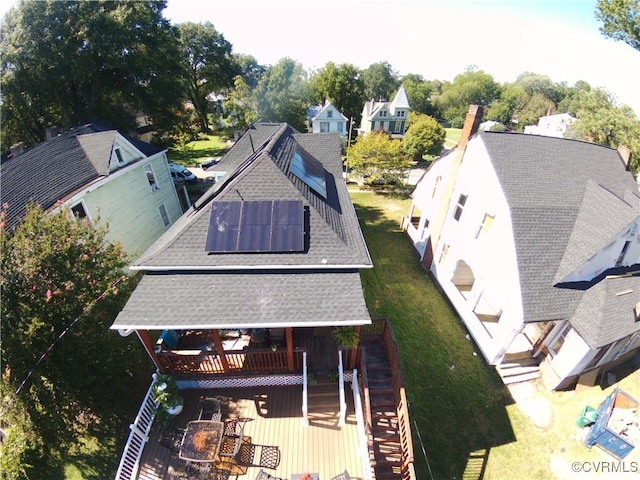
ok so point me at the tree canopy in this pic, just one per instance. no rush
(380, 81)
(424, 136)
(66, 63)
(342, 85)
(620, 20)
(378, 159)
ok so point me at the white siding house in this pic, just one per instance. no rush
(539, 257)
(386, 116)
(327, 118)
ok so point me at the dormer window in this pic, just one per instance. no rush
(119, 156)
(400, 113)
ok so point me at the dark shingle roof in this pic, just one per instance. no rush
(56, 168)
(567, 200)
(185, 286)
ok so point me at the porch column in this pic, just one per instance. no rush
(147, 343)
(354, 350)
(289, 337)
(217, 341)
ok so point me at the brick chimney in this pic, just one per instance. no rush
(625, 156)
(51, 132)
(469, 129)
(16, 149)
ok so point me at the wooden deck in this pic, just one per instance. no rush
(272, 416)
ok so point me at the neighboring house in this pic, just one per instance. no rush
(535, 241)
(551, 125)
(95, 172)
(386, 116)
(327, 118)
(244, 292)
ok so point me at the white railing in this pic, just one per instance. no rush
(343, 402)
(367, 470)
(129, 463)
(305, 404)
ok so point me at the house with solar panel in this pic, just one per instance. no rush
(98, 174)
(241, 300)
(535, 240)
(384, 116)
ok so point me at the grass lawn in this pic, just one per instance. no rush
(461, 413)
(453, 137)
(198, 151)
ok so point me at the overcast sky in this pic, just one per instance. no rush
(435, 38)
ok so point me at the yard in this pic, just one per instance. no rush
(461, 413)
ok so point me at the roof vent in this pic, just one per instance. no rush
(17, 149)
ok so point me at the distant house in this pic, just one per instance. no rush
(536, 242)
(386, 116)
(327, 118)
(95, 172)
(551, 125)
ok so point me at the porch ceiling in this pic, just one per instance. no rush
(240, 300)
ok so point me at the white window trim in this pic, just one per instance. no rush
(155, 186)
(166, 224)
(84, 206)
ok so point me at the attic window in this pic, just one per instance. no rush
(119, 156)
(329, 113)
(383, 113)
(79, 211)
(311, 172)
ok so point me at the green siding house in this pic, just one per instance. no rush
(96, 173)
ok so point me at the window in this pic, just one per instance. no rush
(383, 113)
(400, 114)
(164, 215)
(487, 221)
(151, 178)
(462, 199)
(324, 127)
(559, 341)
(329, 113)
(119, 156)
(79, 211)
(341, 127)
(443, 254)
(435, 186)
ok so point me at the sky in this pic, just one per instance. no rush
(437, 39)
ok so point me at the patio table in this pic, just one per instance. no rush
(201, 441)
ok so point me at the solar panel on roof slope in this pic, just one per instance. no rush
(256, 226)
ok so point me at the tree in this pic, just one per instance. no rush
(60, 274)
(378, 158)
(250, 69)
(471, 87)
(424, 136)
(240, 105)
(419, 94)
(282, 94)
(208, 65)
(620, 20)
(66, 63)
(342, 85)
(380, 81)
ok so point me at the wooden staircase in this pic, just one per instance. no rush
(518, 367)
(324, 402)
(387, 450)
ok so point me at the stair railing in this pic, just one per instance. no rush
(305, 392)
(343, 403)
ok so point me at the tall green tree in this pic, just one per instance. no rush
(419, 94)
(208, 65)
(424, 136)
(62, 285)
(240, 105)
(283, 94)
(376, 157)
(342, 85)
(66, 63)
(250, 69)
(471, 87)
(620, 20)
(380, 81)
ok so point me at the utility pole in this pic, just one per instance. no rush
(346, 164)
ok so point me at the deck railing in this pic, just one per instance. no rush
(128, 468)
(237, 361)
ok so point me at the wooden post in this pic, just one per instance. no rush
(147, 343)
(289, 340)
(354, 350)
(217, 341)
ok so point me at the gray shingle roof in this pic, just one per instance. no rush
(57, 168)
(185, 286)
(567, 199)
(245, 300)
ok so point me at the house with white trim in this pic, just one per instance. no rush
(386, 116)
(535, 241)
(99, 174)
(326, 118)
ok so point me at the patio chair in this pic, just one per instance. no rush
(231, 439)
(262, 475)
(198, 471)
(209, 409)
(219, 474)
(171, 438)
(267, 456)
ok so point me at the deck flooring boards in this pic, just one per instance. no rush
(272, 416)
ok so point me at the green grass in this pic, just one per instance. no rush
(198, 151)
(460, 410)
(453, 137)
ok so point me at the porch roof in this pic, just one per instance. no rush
(261, 299)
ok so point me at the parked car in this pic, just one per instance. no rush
(180, 173)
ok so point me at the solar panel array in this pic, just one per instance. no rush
(311, 172)
(256, 226)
